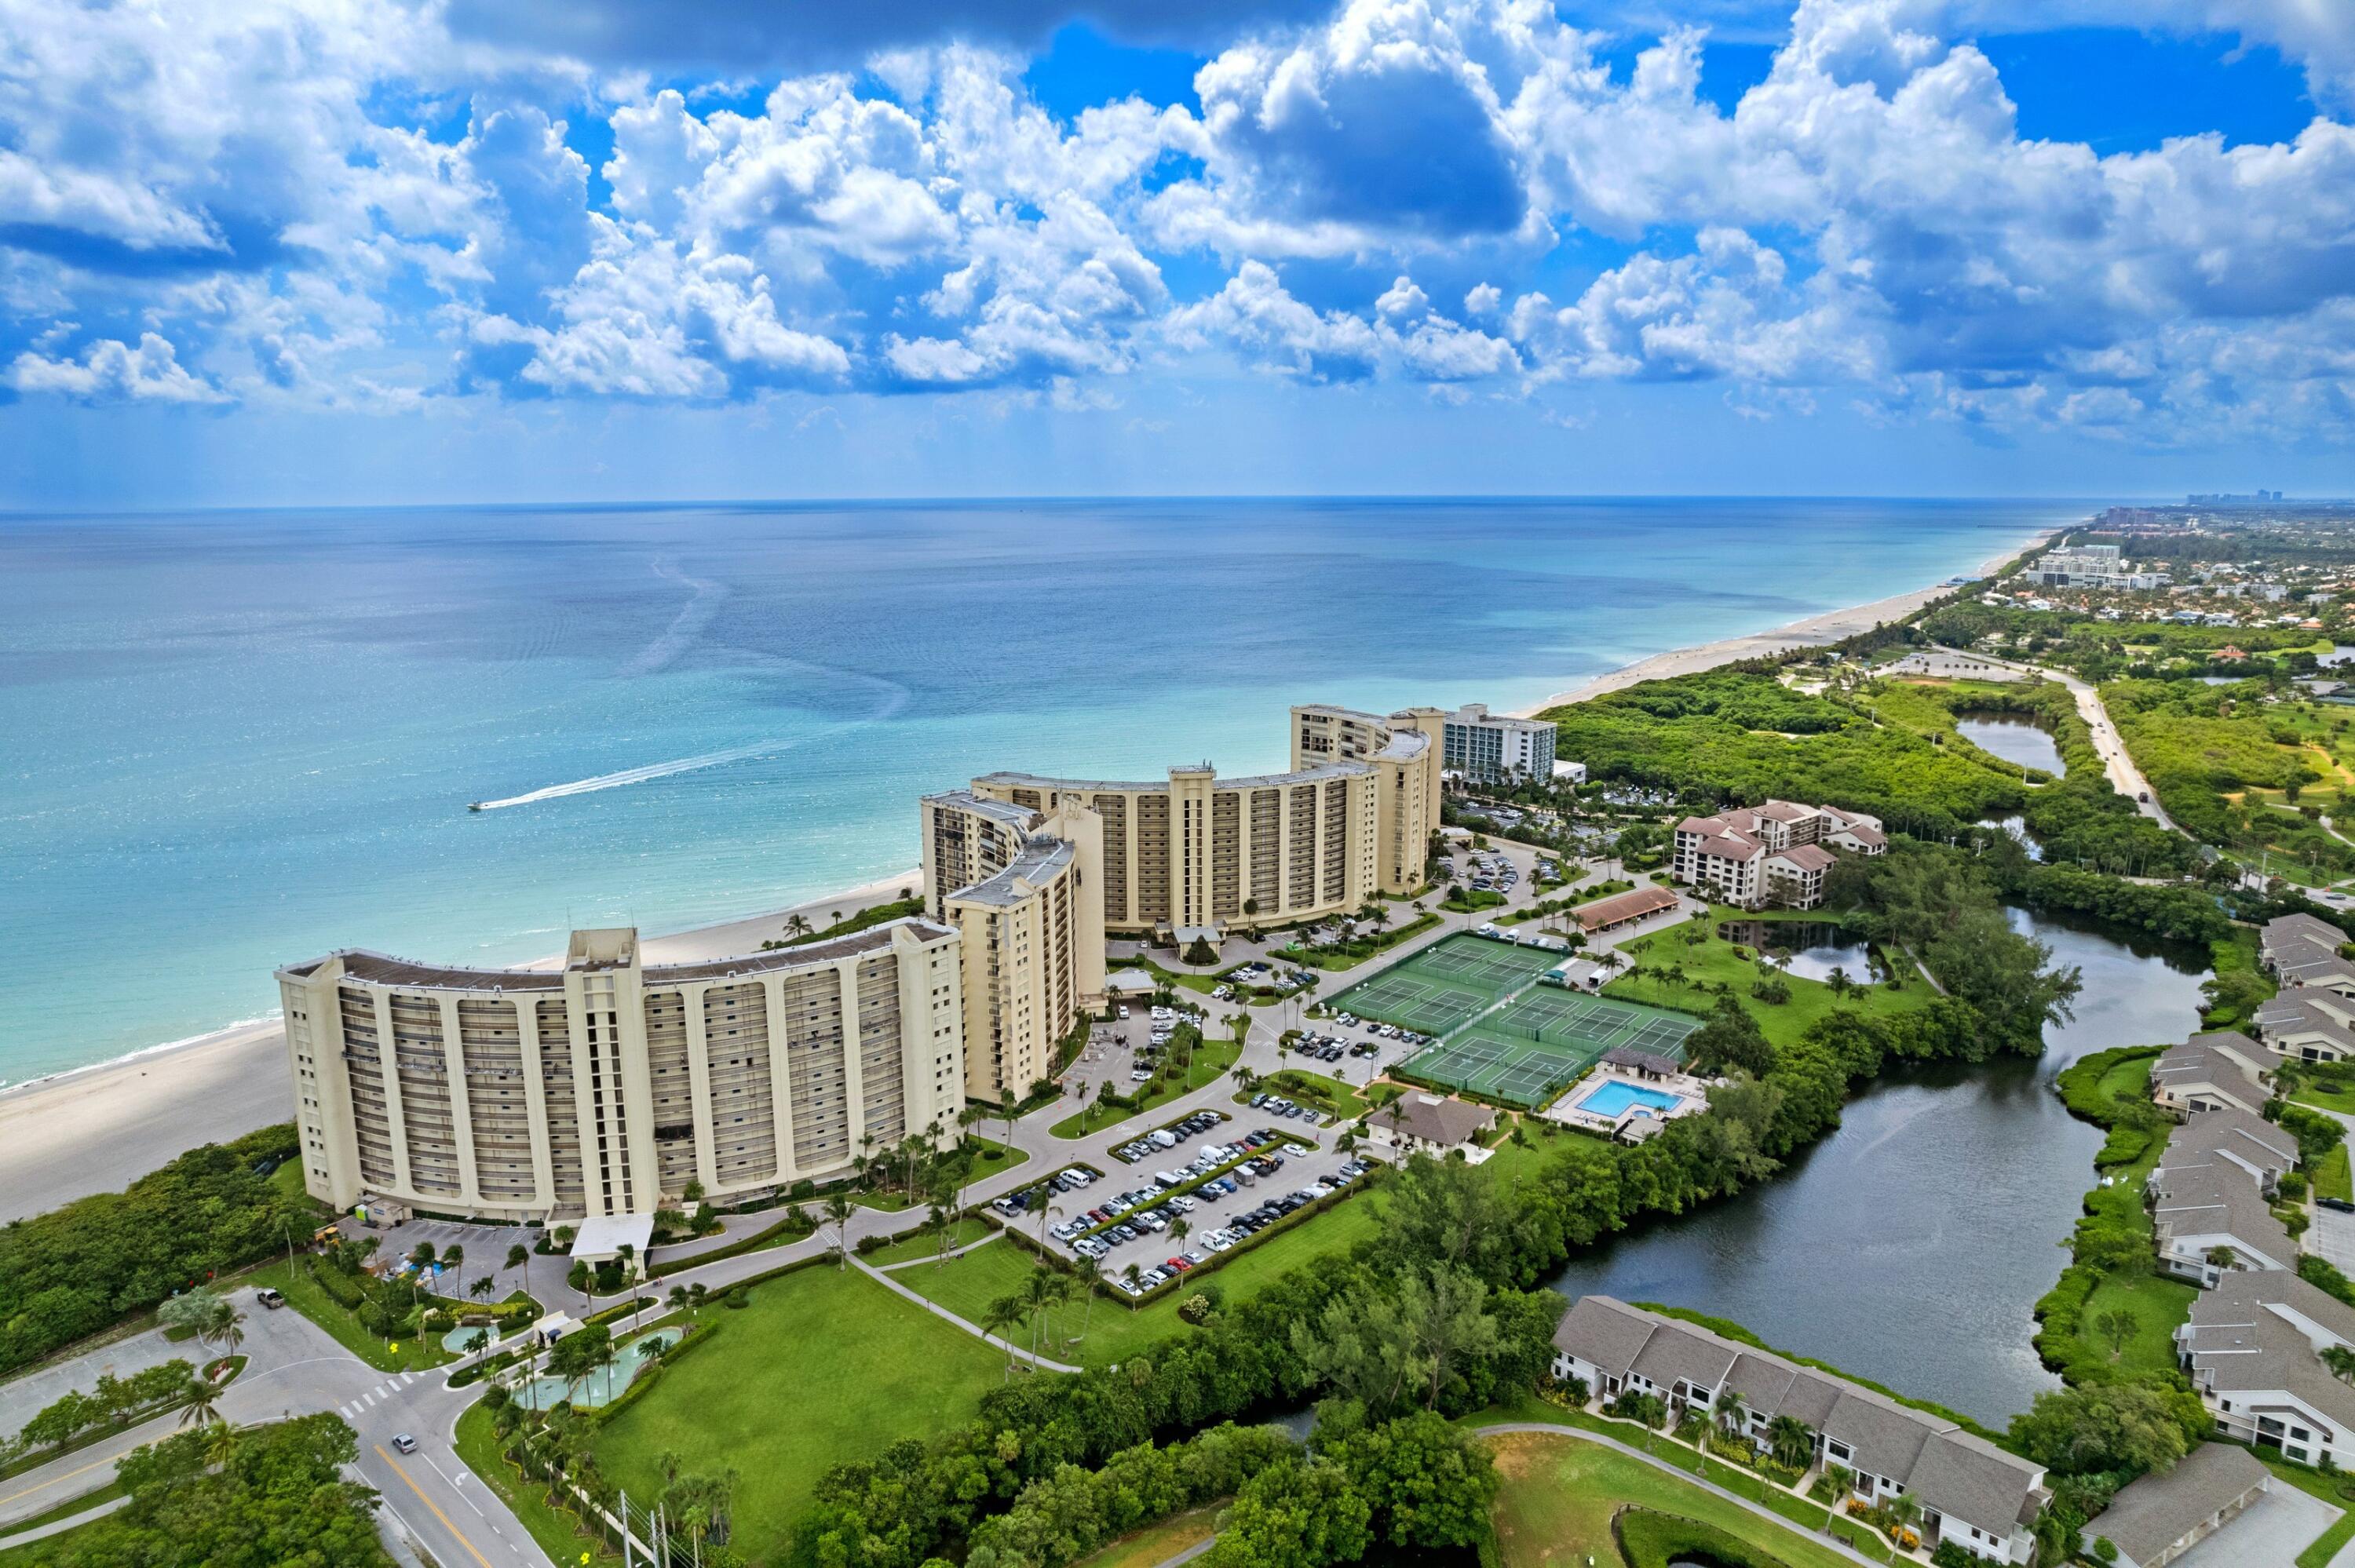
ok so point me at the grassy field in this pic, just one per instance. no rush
(1560, 1494)
(1157, 1543)
(2330, 1179)
(968, 1283)
(928, 1242)
(1713, 959)
(2159, 1307)
(1318, 1089)
(1212, 1057)
(824, 1367)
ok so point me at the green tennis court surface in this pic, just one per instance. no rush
(1530, 1050)
(1445, 984)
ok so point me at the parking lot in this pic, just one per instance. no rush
(1166, 1213)
(1122, 1052)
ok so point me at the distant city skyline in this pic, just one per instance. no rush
(308, 253)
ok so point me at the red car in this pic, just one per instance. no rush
(1179, 1264)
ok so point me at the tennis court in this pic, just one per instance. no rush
(1537, 1046)
(1450, 981)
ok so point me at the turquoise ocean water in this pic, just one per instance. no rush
(231, 740)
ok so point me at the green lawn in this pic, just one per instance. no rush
(1212, 1057)
(928, 1243)
(2331, 1177)
(1713, 959)
(824, 1367)
(2326, 1099)
(967, 1286)
(2159, 1305)
(1560, 1495)
(1157, 1543)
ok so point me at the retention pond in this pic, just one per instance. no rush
(1910, 1246)
(2014, 739)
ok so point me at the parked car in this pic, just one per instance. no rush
(404, 1443)
(2341, 1204)
(271, 1299)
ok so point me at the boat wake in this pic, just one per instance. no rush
(895, 698)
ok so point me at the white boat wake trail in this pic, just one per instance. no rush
(895, 699)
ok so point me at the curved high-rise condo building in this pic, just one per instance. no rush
(605, 1086)
(1035, 870)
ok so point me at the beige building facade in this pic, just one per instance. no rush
(1019, 888)
(1196, 852)
(606, 1086)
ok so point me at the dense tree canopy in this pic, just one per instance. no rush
(74, 1270)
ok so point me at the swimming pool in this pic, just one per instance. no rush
(1616, 1095)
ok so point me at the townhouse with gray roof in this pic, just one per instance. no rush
(2253, 1350)
(1970, 1492)
(2209, 1197)
(2302, 952)
(2220, 1070)
(2311, 1025)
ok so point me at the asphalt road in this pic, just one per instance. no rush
(294, 1368)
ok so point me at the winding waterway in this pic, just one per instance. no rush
(1911, 1245)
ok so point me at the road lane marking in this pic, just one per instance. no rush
(430, 1503)
(53, 1480)
(455, 1487)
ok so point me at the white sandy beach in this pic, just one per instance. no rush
(1833, 626)
(99, 1128)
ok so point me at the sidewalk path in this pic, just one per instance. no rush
(975, 1330)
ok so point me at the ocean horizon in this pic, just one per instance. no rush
(239, 739)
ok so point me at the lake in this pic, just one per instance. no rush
(1810, 950)
(1911, 1245)
(2014, 739)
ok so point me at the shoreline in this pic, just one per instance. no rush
(1813, 631)
(97, 1128)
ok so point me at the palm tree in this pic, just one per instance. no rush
(1091, 1271)
(1788, 1439)
(1039, 1291)
(1731, 1411)
(999, 1316)
(798, 925)
(520, 1256)
(1842, 1479)
(2341, 1363)
(837, 1213)
(482, 1287)
(2223, 1256)
(1132, 1273)
(454, 1259)
(1179, 1229)
(204, 1402)
(223, 1447)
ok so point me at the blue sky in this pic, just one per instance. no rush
(303, 251)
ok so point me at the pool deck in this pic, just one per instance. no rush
(1693, 1096)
